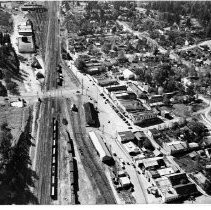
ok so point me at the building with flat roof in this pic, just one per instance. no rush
(25, 30)
(155, 100)
(101, 148)
(125, 182)
(175, 147)
(140, 117)
(128, 74)
(135, 89)
(165, 189)
(131, 148)
(130, 105)
(125, 136)
(26, 44)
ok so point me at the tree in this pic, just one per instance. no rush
(162, 74)
(208, 31)
(18, 177)
(5, 143)
(12, 87)
(39, 75)
(166, 100)
(106, 47)
(207, 187)
(197, 128)
(121, 57)
(3, 90)
(147, 144)
(81, 64)
(190, 91)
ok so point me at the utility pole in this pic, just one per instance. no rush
(82, 86)
(103, 129)
(97, 98)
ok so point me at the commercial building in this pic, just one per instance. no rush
(155, 100)
(26, 44)
(101, 148)
(171, 184)
(135, 89)
(165, 189)
(130, 105)
(125, 136)
(140, 137)
(175, 147)
(123, 95)
(117, 88)
(141, 117)
(131, 148)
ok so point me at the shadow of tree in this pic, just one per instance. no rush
(18, 177)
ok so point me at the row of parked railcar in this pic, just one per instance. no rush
(54, 161)
(59, 75)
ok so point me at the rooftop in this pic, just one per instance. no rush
(126, 136)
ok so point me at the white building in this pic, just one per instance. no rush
(101, 148)
(26, 44)
(132, 149)
(125, 182)
(128, 74)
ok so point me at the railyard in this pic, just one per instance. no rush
(141, 137)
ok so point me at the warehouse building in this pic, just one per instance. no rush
(26, 44)
(25, 30)
(104, 154)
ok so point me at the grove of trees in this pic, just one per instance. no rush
(16, 175)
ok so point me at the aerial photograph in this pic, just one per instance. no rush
(105, 102)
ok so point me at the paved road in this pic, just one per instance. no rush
(205, 113)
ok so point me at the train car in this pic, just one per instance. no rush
(59, 69)
(53, 192)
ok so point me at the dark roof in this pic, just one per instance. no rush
(186, 189)
(126, 136)
(177, 178)
(155, 132)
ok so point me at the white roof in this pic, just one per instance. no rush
(127, 73)
(17, 104)
(99, 145)
(165, 171)
(124, 181)
(131, 147)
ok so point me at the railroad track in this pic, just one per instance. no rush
(89, 159)
(71, 75)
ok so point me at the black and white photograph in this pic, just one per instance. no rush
(105, 102)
